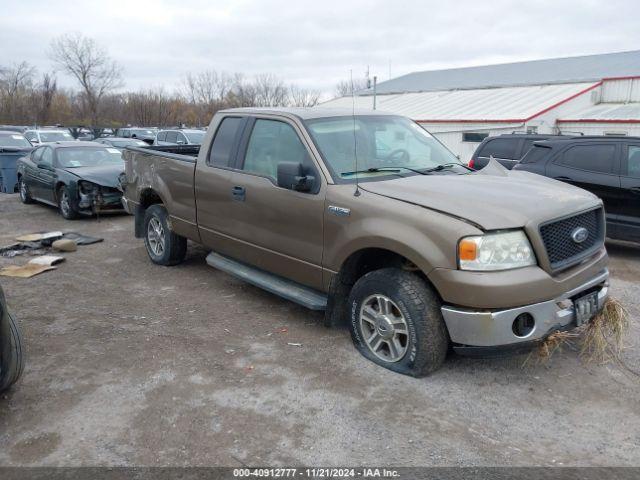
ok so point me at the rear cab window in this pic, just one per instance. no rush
(225, 142)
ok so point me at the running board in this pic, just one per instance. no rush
(305, 296)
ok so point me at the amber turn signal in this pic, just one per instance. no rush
(467, 249)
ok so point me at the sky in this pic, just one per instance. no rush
(317, 43)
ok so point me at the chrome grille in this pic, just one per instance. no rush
(562, 250)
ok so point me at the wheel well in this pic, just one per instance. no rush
(148, 197)
(57, 189)
(353, 268)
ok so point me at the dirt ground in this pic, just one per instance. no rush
(135, 364)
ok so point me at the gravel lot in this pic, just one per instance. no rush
(134, 364)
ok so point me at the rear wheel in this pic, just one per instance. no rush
(66, 205)
(25, 195)
(164, 247)
(396, 322)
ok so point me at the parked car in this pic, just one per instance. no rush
(121, 143)
(389, 240)
(37, 137)
(80, 178)
(507, 149)
(146, 134)
(13, 128)
(12, 354)
(13, 145)
(607, 166)
(179, 137)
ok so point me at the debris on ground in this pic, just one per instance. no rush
(64, 245)
(294, 344)
(82, 239)
(599, 341)
(39, 237)
(33, 267)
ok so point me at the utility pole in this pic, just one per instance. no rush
(375, 84)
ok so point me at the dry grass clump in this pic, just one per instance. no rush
(599, 341)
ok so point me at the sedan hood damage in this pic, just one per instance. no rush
(106, 176)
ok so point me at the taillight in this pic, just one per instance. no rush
(472, 163)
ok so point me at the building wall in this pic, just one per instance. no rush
(631, 129)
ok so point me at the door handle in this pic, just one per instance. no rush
(564, 179)
(238, 193)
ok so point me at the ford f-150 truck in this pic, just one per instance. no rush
(368, 217)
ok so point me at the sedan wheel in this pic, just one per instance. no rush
(25, 196)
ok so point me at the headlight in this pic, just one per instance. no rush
(88, 188)
(496, 251)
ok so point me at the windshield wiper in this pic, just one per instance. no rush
(446, 166)
(392, 169)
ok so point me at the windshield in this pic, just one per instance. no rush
(88, 157)
(55, 136)
(14, 140)
(141, 131)
(380, 142)
(195, 137)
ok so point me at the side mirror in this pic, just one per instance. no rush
(291, 176)
(180, 142)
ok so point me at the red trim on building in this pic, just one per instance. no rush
(633, 77)
(601, 120)
(555, 105)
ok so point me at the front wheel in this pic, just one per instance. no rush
(66, 204)
(396, 322)
(164, 247)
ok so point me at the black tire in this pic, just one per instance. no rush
(426, 340)
(66, 205)
(11, 349)
(173, 247)
(23, 189)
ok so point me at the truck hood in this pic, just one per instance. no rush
(497, 199)
(106, 176)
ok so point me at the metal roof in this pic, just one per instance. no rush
(606, 113)
(509, 104)
(588, 68)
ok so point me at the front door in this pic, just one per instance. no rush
(275, 228)
(629, 219)
(46, 176)
(595, 168)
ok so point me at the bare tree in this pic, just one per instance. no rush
(207, 91)
(302, 97)
(344, 87)
(45, 94)
(151, 107)
(270, 91)
(90, 65)
(243, 93)
(16, 83)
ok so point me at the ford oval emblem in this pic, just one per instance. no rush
(579, 235)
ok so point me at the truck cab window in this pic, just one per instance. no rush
(272, 142)
(224, 142)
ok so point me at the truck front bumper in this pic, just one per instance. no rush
(494, 328)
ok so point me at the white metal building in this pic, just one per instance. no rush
(594, 95)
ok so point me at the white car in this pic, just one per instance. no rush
(36, 137)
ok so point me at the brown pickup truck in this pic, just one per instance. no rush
(368, 217)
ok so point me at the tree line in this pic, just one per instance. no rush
(29, 97)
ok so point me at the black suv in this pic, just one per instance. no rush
(507, 149)
(607, 166)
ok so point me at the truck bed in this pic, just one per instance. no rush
(187, 153)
